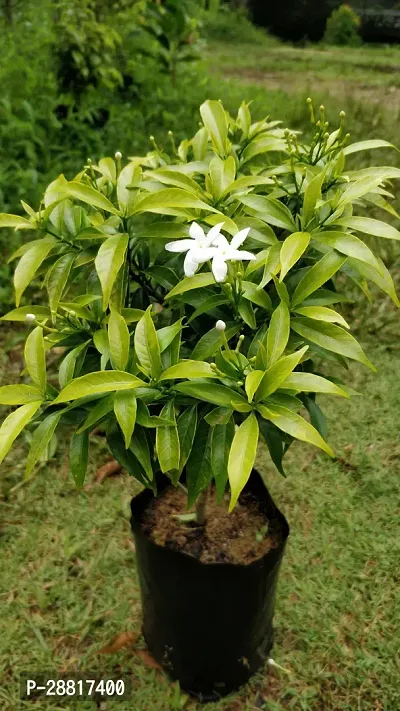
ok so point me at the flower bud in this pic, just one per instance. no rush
(220, 325)
(118, 155)
(30, 318)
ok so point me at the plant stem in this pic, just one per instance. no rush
(201, 507)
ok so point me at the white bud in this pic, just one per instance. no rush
(118, 155)
(30, 318)
(220, 325)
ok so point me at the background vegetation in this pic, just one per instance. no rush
(84, 78)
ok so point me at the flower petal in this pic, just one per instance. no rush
(196, 232)
(213, 233)
(181, 245)
(190, 266)
(219, 268)
(221, 242)
(204, 254)
(239, 238)
(237, 255)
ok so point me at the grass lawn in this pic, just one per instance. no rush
(69, 581)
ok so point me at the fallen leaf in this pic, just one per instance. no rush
(123, 639)
(108, 469)
(147, 659)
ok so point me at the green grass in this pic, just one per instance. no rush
(69, 581)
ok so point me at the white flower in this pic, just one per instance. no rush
(198, 249)
(229, 253)
(30, 318)
(220, 325)
(118, 155)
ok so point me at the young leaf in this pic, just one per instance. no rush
(242, 456)
(222, 174)
(166, 335)
(89, 195)
(270, 210)
(35, 358)
(41, 312)
(79, 457)
(292, 249)
(102, 381)
(311, 196)
(15, 221)
(366, 146)
(109, 261)
(321, 313)
(41, 438)
(57, 279)
(349, 245)
(253, 380)
(119, 340)
(221, 442)
(277, 373)
(147, 347)
(332, 338)
(19, 394)
(125, 408)
(67, 367)
(369, 226)
(310, 383)
(216, 394)
(256, 295)
(278, 333)
(214, 119)
(167, 441)
(14, 424)
(166, 201)
(294, 424)
(190, 369)
(317, 275)
(29, 264)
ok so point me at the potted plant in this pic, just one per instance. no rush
(191, 293)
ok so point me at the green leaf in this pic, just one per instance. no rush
(162, 201)
(119, 340)
(67, 367)
(166, 335)
(89, 195)
(369, 226)
(366, 146)
(187, 423)
(317, 275)
(310, 383)
(79, 457)
(381, 278)
(210, 343)
(167, 441)
(262, 145)
(35, 358)
(221, 442)
(208, 305)
(277, 373)
(19, 394)
(247, 314)
(317, 417)
(126, 458)
(102, 381)
(198, 467)
(125, 408)
(312, 194)
(132, 315)
(278, 333)
(295, 425)
(140, 448)
(128, 177)
(14, 424)
(57, 279)
(274, 442)
(144, 418)
(41, 438)
(321, 313)
(222, 174)
(332, 338)
(190, 369)
(292, 249)
(41, 312)
(147, 347)
(29, 264)
(214, 119)
(108, 168)
(109, 261)
(219, 416)
(216, 394)
(168, 176)
(15, 221)
(195, 282)
(253, 380)
(349, 245)
(256, 295)
(101, 409)
(269, 210)
(242, 456)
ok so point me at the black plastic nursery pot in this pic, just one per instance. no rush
(208, 624)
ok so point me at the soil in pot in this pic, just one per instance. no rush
(239, 537)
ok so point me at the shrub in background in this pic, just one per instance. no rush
(342, 27)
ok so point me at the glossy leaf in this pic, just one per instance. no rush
(79, 457)
(126, 458)
(312, 194)
(29, 264)
(99, 382)
(369, 226)
(101, 408)
(253, 380)
(332, 338)
(164, 201)
(109, 261)
(14, 424)
(278, 333)
(292, 249)
(35, 358)
(270, 210)
(147, 346)
(210, 343)
(214, 119)
(277, 373)
(187, 423)
(16, 222)
(166, 335)
(317, 275)
(294, 425)
(119, 340)
(349, 245)
(195, 282)
(67, 367)
(90, 196)
(198, 467)
(242, 456)
(310, 383)
(125, 408)
(40, 440)
(190, 369)
(140, 448)
(216, 394)
(41, 312)
(57, 279)
(321, 313)
(167, 441)
(221, 442)
(19, 394)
